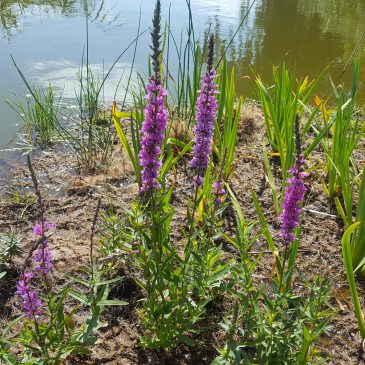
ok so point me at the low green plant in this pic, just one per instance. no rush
(5, 356)
(177, 288)
(95, 128)
(49, 333)
(269, 325)
(9, 247)
(114, 232)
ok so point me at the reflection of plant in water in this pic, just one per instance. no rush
(11, 10)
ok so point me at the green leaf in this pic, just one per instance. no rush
(111, 281)
(77, 279)
(82, 298)
(347, 258)
(265, 228)
(307, 341)
(112, 302)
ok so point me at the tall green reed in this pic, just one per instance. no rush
(227, 122)
(349, 268)
(358, 236)
(39, 124)
(282, 103)
(339, 148)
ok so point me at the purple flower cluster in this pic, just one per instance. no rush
(43, 258)
(43, 255)
(293, 198)
(43, 264)
(31, 304)
(206, 112)
(219, 192)
(153, 134)
(41, 228)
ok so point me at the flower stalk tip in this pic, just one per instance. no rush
(206, 107)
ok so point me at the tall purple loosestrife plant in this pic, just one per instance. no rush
(154, 125)
(206, 113)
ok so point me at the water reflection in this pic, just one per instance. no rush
(308, 35)
(12, 11)
(65, 78)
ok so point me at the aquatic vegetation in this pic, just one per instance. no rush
(39, 115)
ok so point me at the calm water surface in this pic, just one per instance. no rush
(47, 37)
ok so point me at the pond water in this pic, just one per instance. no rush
(47, 38)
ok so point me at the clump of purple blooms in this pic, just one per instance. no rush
(43, 264)
(31, 304)
(294, 195)
(153, 134)
(43, 258)
(154, 125)
(43, 255)
(219, 192)
(206, 112)
(41, 228)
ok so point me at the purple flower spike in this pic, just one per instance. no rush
(153, 134)
(206, 112)
(293, 198)
(31, 304)
(40, 228)
(43, 259)
(154, 125)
